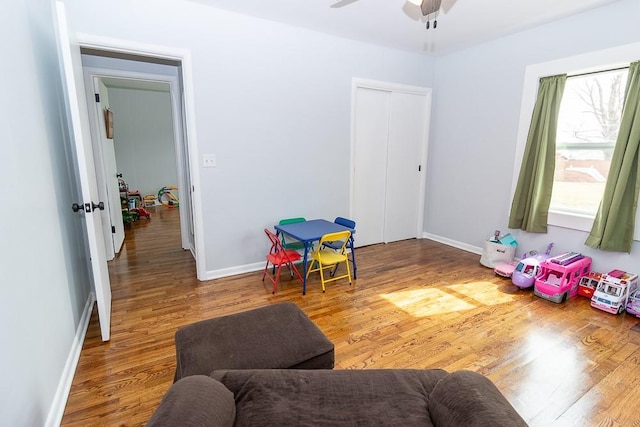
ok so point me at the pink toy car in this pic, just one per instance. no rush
(506, 269)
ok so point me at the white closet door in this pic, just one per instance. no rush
(407, 127)
(371, 125)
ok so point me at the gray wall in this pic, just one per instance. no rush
(477, 102)
(45, 283)
(143, 138)
(272, 102)
(266, 95)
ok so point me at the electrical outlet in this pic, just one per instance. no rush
(209, 160)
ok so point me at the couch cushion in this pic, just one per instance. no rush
(276, 336)
(331, 398)
(195, 401)
(466, 398)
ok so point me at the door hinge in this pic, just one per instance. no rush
(97, 97)
(113, 229)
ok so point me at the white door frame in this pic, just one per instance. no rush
(358, 83)
(184, 57)
(178, 134)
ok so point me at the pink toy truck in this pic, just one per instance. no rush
(560, 275)
(613, 291)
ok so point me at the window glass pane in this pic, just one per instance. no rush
(588, 126)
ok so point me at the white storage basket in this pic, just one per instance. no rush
(495, 253)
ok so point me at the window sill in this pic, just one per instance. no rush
(580, 222)
(571, 220)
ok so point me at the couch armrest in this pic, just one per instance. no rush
(197, 400)
(466, 398)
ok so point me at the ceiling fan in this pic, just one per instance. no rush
(427, 7)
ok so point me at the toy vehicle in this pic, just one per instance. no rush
(613, 291)
(588, 284)
(528, 268)
(633, 303)
(506, 269)
(560, 275)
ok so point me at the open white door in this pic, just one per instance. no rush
(113, 225)
(69, 53)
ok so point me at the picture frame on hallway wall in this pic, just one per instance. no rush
(108, 121)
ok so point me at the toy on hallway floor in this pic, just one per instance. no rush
(613, 291)
(588, 284)
(167, 197)
(142, 212)
(149, 200)
(529, 268)
(560, 275)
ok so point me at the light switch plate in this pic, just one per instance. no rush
(209, 160)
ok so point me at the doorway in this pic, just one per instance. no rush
(390, 127)
(148, 149)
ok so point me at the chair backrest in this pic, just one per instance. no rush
(340, 236)
(295, 245)
(291, 220)
(276, 246)
(346, 222)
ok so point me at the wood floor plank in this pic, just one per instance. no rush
(415, 304)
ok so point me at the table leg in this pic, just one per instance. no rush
(353, 258)
(304, 268)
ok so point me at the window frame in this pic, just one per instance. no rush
(616, 57)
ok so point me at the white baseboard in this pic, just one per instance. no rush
(232, 271)
(454, 243)
(249, 268)
(64, 386)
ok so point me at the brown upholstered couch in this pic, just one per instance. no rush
(384, 397)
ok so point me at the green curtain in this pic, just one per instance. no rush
(530, 205)
(614, 223)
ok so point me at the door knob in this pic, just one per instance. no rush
(87, 207)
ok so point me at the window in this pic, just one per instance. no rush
(588, 126)
(596, 61)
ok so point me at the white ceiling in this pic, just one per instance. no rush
(400, 25)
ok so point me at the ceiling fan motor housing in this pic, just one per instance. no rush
(430, 6)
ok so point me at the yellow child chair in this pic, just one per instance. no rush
(326, 257)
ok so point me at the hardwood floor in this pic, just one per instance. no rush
(415, 304)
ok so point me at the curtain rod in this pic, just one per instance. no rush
(596, 72)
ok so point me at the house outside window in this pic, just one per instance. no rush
(588, 126)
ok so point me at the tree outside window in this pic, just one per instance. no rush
(588, 126)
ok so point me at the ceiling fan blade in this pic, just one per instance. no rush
(342, 3)
(447, 4)
(430, 6)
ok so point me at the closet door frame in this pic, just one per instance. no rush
(357, 84)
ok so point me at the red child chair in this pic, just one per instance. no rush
(277, 257)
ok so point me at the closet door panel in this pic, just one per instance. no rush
(407, 127)
(371, 127)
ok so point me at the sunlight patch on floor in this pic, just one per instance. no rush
(485, 292)
(433, 301)
(427, 302)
